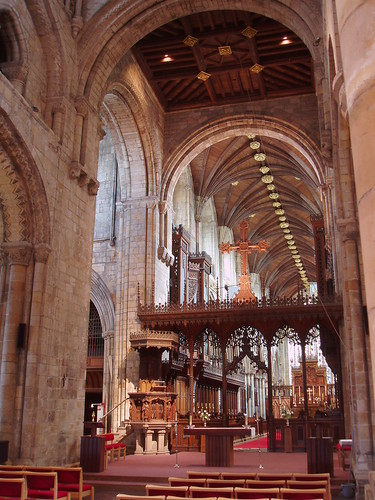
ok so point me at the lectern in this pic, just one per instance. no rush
(219, 442)
(92, 449)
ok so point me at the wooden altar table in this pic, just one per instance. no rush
(219, 442)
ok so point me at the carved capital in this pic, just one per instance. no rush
(75, 170)
(83, 179)
(93, 187)
(17, 253)
(81, 106)
(41, 252)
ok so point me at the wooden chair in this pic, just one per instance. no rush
(198, 492)
(318, 476)
(262, 483)
(204, 475)
(166, 491)
(185, 481)
(44, 485)
(13, 487)
(71, 479)
(277, 476)
(224, 483)
(251, 493)
(306, 485)
(292, 494)
(238, 475)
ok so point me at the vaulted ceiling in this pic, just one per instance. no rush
(225, 57)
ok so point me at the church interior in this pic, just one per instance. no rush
(186, 200)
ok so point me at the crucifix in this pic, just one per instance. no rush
(244, 248)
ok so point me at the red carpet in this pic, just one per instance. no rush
(255, 444)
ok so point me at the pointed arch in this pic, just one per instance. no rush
(102, 300)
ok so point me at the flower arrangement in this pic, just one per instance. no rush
(286, 413)
(204, 415)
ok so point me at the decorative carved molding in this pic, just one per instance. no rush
(18, 253)
(31, 212)
(165, 256)
(154, 338)
(93, 187)
(41, 252)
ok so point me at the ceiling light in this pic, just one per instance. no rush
(284, 225)
(190, 41)
(276, 204)
(235, 183)
(251, 216)
(299, 264)
(273, 196)
(293, 252)
(286, 231)
(279, 211)
(225, 50)
(257, 68)
(249, 32)
(271, 187)
(282, 218)
(167, 58)
(288, 236)
(264, 169)
(255, 144)
(260, 156)
(292, 247)
(291, 242)
(267, 178)
(203, 76)
(285, 41)
(251, 136)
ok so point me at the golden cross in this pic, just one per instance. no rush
(244, 248)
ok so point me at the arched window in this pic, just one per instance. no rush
(96, 341)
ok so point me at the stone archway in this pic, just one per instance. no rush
(25, 248)
(102, 300)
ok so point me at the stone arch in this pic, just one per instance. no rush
(122, 111)
(118, 29)
(232, 126)
(22, 195)
(15, 63)
(102, 300)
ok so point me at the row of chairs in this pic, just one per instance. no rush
(265, 490)
(244, 486)
(51, 483)
(113, 449)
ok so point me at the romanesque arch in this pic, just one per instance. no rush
(233, 126)
(23, 197)
(117, 29)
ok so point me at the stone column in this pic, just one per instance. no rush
(252, 405)
(355, 352)
(27, 437)
(356, 20)
(148, 441)
(18, 257)
(108, 372)
(162, 450)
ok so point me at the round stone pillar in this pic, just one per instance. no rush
(356, 20)
(17, 256)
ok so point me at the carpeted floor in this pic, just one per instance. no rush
(131, 475)
(254, 444)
